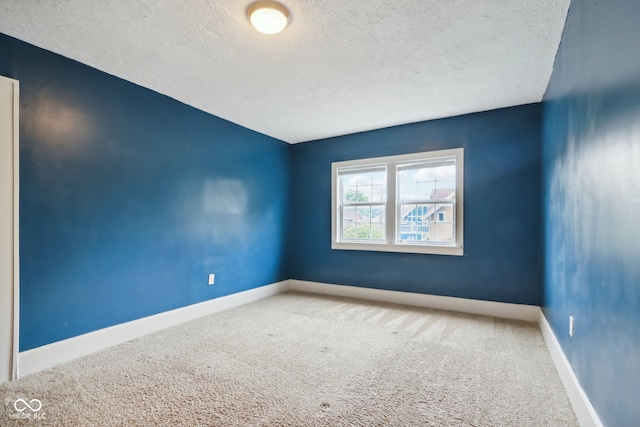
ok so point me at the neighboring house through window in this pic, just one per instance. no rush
(406, 203)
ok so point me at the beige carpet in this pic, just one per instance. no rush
(306, 360)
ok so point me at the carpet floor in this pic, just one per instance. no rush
(298, 359)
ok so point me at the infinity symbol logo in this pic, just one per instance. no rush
(35, 408)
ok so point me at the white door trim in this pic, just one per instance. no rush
(16, 228)
(14, 266)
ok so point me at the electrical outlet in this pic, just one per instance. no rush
(571, 326)
(212, 279)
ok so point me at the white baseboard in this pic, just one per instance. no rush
(486, 308)
(586, 414)
(37, 359)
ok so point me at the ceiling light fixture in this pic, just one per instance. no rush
(268, 17)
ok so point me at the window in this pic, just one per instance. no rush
(407, 203)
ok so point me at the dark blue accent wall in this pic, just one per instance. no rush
(591, 190)
(128, 199)
(502, 231)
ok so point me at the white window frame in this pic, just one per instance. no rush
(392, 206)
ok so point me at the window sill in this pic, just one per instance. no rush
(402, 248)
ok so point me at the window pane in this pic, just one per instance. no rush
(443, 231)
(363, 214)
(348, 231)
(427, 181)
(363, 231)
(377, 214)
(377, 230)
(349, 214)
(423, 182)
(427, 222)
(416, 222)
(444, 190)
(364, 222)
(364, 186)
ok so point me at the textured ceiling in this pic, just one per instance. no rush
(339, 67)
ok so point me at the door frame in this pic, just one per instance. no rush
(15, 268)
(16, 228)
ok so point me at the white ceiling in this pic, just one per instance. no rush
(339, 67)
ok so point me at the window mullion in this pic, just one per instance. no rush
(391, 204)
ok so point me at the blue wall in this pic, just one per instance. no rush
(591, 189)
(502, 233)
(130, 198)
